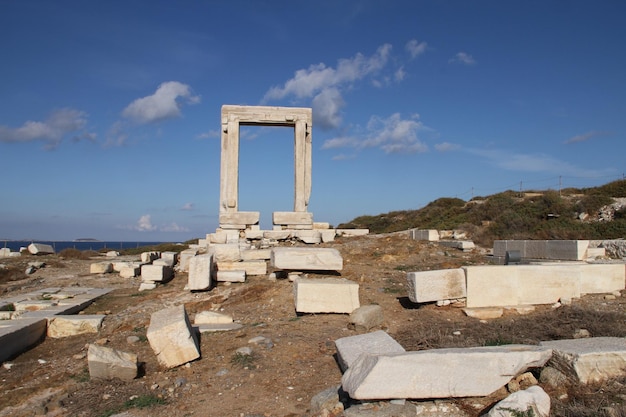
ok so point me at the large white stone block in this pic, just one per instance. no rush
(226, 252)
(326, 295)
(40, 249)
(256, 254)
(156, 273)
(589, 360)
(440, 373)
(184, 258)
(231, 276)
(100, 268)
(292, 218)
(352, 232)
(430, 235)
(108, 363)
(445, 284)
(212, 317)
(308, 236)
(171, 337)
(602, 278)
(573, 250)
(376, 343)
(306, 259)
(512, 285)
(200, 272)
(250, 267)
(64, 326)
(18, 335)
(240, 217)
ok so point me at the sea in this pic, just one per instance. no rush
(58, 246)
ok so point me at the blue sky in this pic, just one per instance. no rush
(110, 110)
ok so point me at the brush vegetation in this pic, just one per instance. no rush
(512, 215)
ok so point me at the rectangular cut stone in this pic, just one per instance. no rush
(376, 343)
(40, 249)
(250, 267)
(163, 262)
(602, 278)
(170, 256)
(440, 373)
(184, 258)
(306, 259)
(17, 335)
(108, 363)
(309, 236)
(277, 234)
(464, 245)
(256, 254)
(156, 273)
(226, 252)
(321, 225)
(231, 276)
(200, 271)
(292, 217)
(148, 257)
(171, 337)
(240, 217)
(63, 326)
(254, 234)
(593, 253)
(326, 295)
(589, 360)
(570, 250)
(430, 235)
(101, 268)
(501, 286)
(445, 284)
(328, 235)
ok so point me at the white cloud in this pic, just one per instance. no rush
(187, 207)
(446, 147)
(415, 48)
(393, 135)
(326, 108)
(585, 137)
(144, 224)
(211, 134)
(399, 74)
(59, 124)
(161, 105)
(463, 58)
(116, 136)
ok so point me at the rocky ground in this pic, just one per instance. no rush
(282, 376)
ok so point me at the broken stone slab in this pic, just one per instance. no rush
(40, 249)
(250, 267)
(589, 360)
(308, 236)
(212, 317)
(156, 273)
(130, 271)
(101, 268)
(256, 254)
(170, 255)
(513, 285)
(367, 317)
(440, 373)
(64, 326)
(148, 257)
(328, 235)
(253, 234)
(292, 218)
(200, 272)
(532, 401)
(108, 363)
(321, 225)
(277, 234)
(226, 252)
(18, 335)
(34, 305)
(326, 295)
(112, 254)
(172, 338)
(146, 286)
(444, 284)
(163, 262)
(231, 276)
(352, 232)
(484, 313)
(375, 343)
(184, 258)
(306, 259)
(217, 327)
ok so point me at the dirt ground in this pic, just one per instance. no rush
(281, 377)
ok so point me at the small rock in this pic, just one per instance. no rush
(581, 334)
(180, 382)
(42, 361)
(246, 350)
(132, 340)
(609, 297)
(552, 377)
(7, 365)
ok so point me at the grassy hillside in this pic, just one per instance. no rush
(570, 214)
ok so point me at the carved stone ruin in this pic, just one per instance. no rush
(301, 119)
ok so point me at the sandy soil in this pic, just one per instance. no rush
(52, 378)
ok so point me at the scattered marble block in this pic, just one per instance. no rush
(231, 276)
(376, 343)
(306, 259)
(200, 271)
(40, 249)
(464, 245)
(184, 258)
(444, 284)
(17, 335)
(589, 360)
(64, 326)
(107, 363)
(163, 262)
(226, 252)
(308, 236)
(484, 313)
(130, 271)
(440, 373)
(212, 317)
(156, 273)
(146, 286)
(326, 295)
(243, 218)
(327, 235)
(353, 232)
(148, 257)
(170, 256)
(101, 268)
(292, 218)
(171, 337)
(256, 254)
(217, 327)
(430, 235)
(250, 267)
(519, 403)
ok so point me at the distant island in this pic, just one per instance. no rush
(86, 239)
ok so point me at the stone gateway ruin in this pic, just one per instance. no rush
(301, 119)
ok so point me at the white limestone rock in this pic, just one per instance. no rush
(306, 259)
(226, 252)
(367, 317)
(40, 249)
(200, 272)
(231, 276)
(156, 273)
(212, 317)
(589, 360)
(427, 286)
(440, 373)
(63, 326)
(172, 338)
(107, 363)
(375, 343)
(533, 399)
(250, 267)
(101, 268)
(326, 295)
